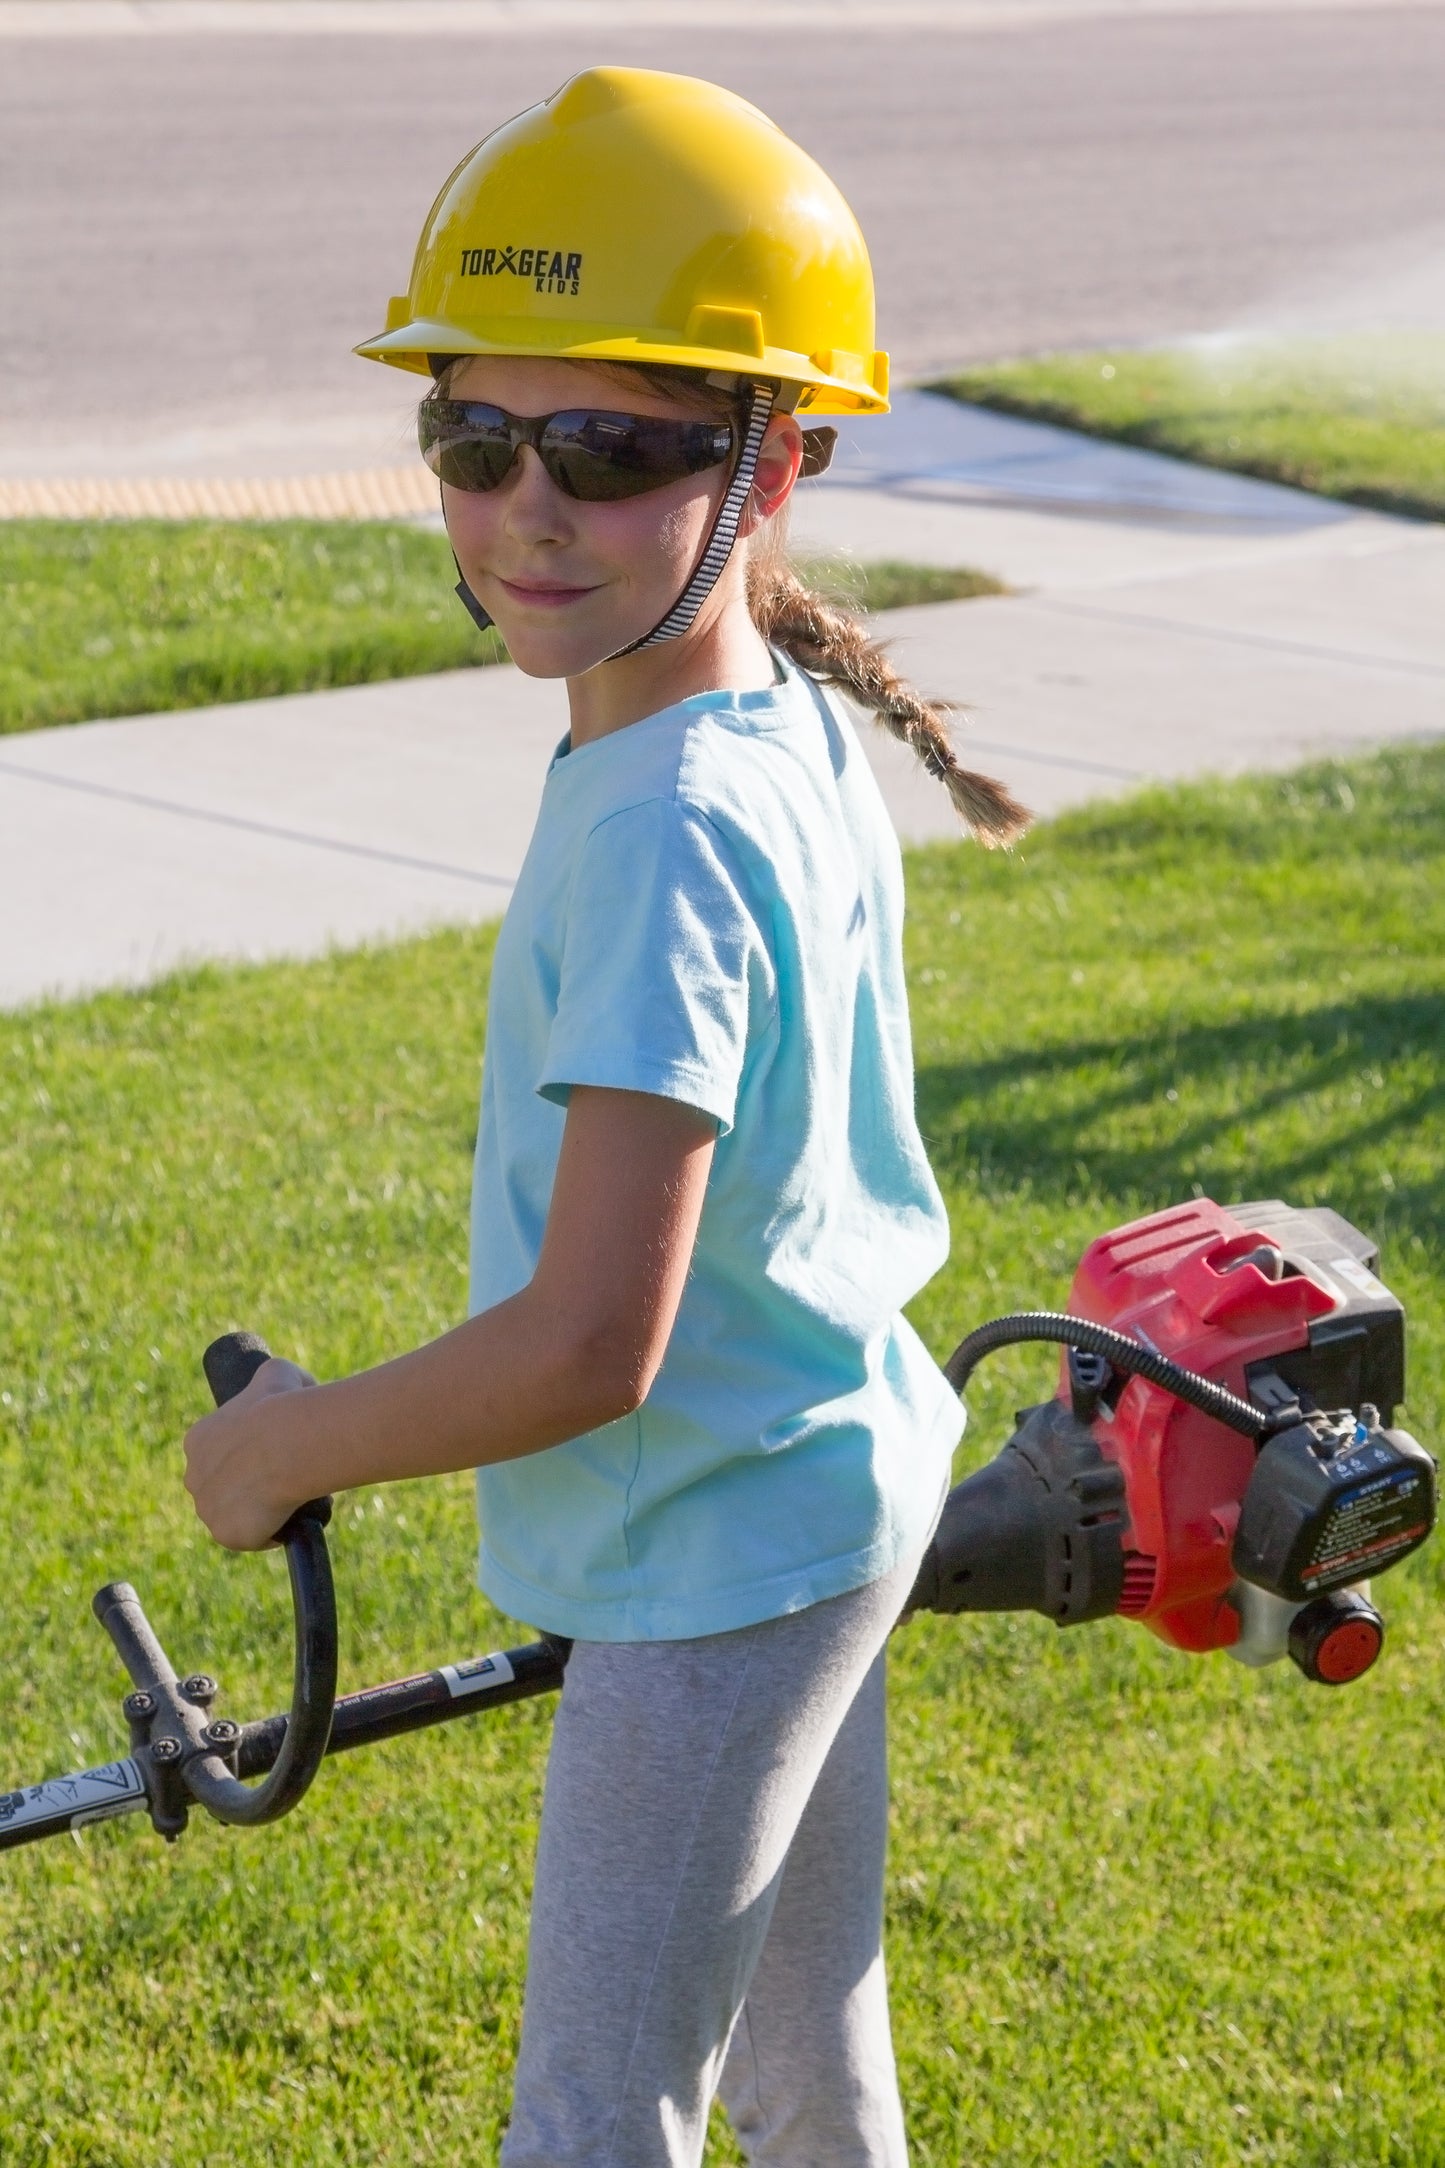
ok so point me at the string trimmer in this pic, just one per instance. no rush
(1220, 1463)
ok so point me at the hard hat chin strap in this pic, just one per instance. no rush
(719, 545)
(468, 600)
(716, 550)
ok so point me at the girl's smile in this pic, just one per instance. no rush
(542, 594)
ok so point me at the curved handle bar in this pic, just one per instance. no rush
(230, 1364)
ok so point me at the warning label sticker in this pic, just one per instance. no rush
(1367, 1528)
(477, 1675)
(1359, 1277)
(90, 1795)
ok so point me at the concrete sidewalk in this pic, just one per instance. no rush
(1173, 622)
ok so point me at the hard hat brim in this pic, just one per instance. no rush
(850, 384)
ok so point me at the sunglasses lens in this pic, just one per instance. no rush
(594, 457)
(467, 445)
(599, 458)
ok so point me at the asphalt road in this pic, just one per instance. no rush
(194, 229)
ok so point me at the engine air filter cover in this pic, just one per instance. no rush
(1332, 1501)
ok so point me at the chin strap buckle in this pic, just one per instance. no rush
(469, 601)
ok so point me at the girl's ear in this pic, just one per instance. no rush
(779, 464)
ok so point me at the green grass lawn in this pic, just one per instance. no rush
(127, 617)
(1143, 1909)
(1360, 418)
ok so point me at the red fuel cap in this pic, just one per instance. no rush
(1347, 1650)
(1336, 1638)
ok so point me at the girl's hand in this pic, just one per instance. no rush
(238, 1469)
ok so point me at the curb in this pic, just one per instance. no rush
(366, 493)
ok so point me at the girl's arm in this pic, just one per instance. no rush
(577, 1347)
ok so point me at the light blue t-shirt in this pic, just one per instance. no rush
(711, 909)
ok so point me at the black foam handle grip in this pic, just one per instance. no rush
(231, 1362)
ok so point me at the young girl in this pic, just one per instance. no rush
(710, 1451)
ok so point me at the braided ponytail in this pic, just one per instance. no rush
(829, 643)
(833, 646)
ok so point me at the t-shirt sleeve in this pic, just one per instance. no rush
(664, 968)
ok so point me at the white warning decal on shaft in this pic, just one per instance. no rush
(477, 1675)
(91, 1795)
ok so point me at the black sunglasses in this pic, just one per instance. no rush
(594, 456)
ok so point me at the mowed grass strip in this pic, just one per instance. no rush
(888, 583)
(1143, 1909)
(1360, 418)
(130, 617)
(123, 617)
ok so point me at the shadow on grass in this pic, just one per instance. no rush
(1064, 1120)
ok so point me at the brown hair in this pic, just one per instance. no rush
(832, 645)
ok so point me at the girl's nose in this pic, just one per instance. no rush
(533, 508)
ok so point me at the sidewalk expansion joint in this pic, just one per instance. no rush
(995, 751)
(1229, 635)
(269, 829)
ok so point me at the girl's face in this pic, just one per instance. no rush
(569, 583)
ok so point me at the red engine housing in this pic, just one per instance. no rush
(1182, 1282)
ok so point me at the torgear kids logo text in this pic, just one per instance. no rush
(551, 271)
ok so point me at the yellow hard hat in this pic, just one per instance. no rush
(644, 217)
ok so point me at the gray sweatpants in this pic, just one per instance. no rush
(709, 1898)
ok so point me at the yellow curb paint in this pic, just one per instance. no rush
(367, 493)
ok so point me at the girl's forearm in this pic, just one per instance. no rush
(577, 1347)
(506, 1383)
